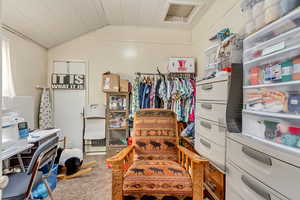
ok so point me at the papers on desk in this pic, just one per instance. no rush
(40, 134)
(10, 119)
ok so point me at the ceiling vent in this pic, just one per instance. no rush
(181, 11)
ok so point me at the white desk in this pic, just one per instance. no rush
(38, 135)
(16, 148)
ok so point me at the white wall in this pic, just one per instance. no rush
(124, 50)
(29, 67)
(222, 14)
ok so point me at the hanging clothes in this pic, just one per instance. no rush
(146, 96)
(152, 93)
(135, 102)
(177, 94)
(45, 112)
(157, 100)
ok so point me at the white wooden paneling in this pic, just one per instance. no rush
(131, 11)
(52, 22)
(113, 11)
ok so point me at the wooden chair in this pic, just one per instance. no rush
(155, 165)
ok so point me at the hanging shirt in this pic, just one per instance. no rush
(135, 105)
(192, 112)
(157, 100)
(152, 94)
(163, 94)
(141, 93)
(146, 96)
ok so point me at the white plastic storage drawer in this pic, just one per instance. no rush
(212, 91)
(277, 129)
(278, 175)
(274, 30)
(280, 99)
(212, 111)
(241, 186)
(211, 131)
(212, 151)
(289, 40)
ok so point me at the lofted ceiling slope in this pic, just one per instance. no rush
(52, 22)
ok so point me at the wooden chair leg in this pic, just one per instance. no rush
(117, 182)
(198, 180)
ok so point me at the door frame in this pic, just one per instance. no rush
(86, 92)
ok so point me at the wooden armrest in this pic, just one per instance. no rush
(191, 155)
(120, 156)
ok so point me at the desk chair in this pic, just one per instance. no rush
(21, 184)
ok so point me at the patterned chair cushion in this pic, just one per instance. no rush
(155, 135)
(157, 177)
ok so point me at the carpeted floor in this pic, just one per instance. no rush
(95, 185)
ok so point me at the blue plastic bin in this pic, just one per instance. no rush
(40, 190)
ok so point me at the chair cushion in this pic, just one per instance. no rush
(155, 135)
(17, 185)
(157, 177)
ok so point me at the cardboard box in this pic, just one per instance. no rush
(110, 82)
(124, 85)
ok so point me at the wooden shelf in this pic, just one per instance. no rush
(95, 118)
(116, 129)
(117, 111)
(117, 145)
(111, 114)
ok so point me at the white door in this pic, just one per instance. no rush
(69, 104)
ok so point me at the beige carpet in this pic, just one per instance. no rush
(92, 186)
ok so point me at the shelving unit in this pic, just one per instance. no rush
(117, 131)
(275, 115)
(272, 85)
(270, 141)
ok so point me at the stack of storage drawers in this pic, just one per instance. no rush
(210, 135)
(263, 163)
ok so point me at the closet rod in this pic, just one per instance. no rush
(140, 73)
(179, 75)
(157, 74)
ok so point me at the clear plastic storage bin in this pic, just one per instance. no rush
(269, 32)
(289, 40)
(282, 99)
(274, 73)
(278, 130)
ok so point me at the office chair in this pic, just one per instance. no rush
(21, 184)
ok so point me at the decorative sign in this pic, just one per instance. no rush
(181, 65)
(68, 81)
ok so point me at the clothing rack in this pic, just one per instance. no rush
(175, 91)
(175, 75)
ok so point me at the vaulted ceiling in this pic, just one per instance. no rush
(52, 22)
